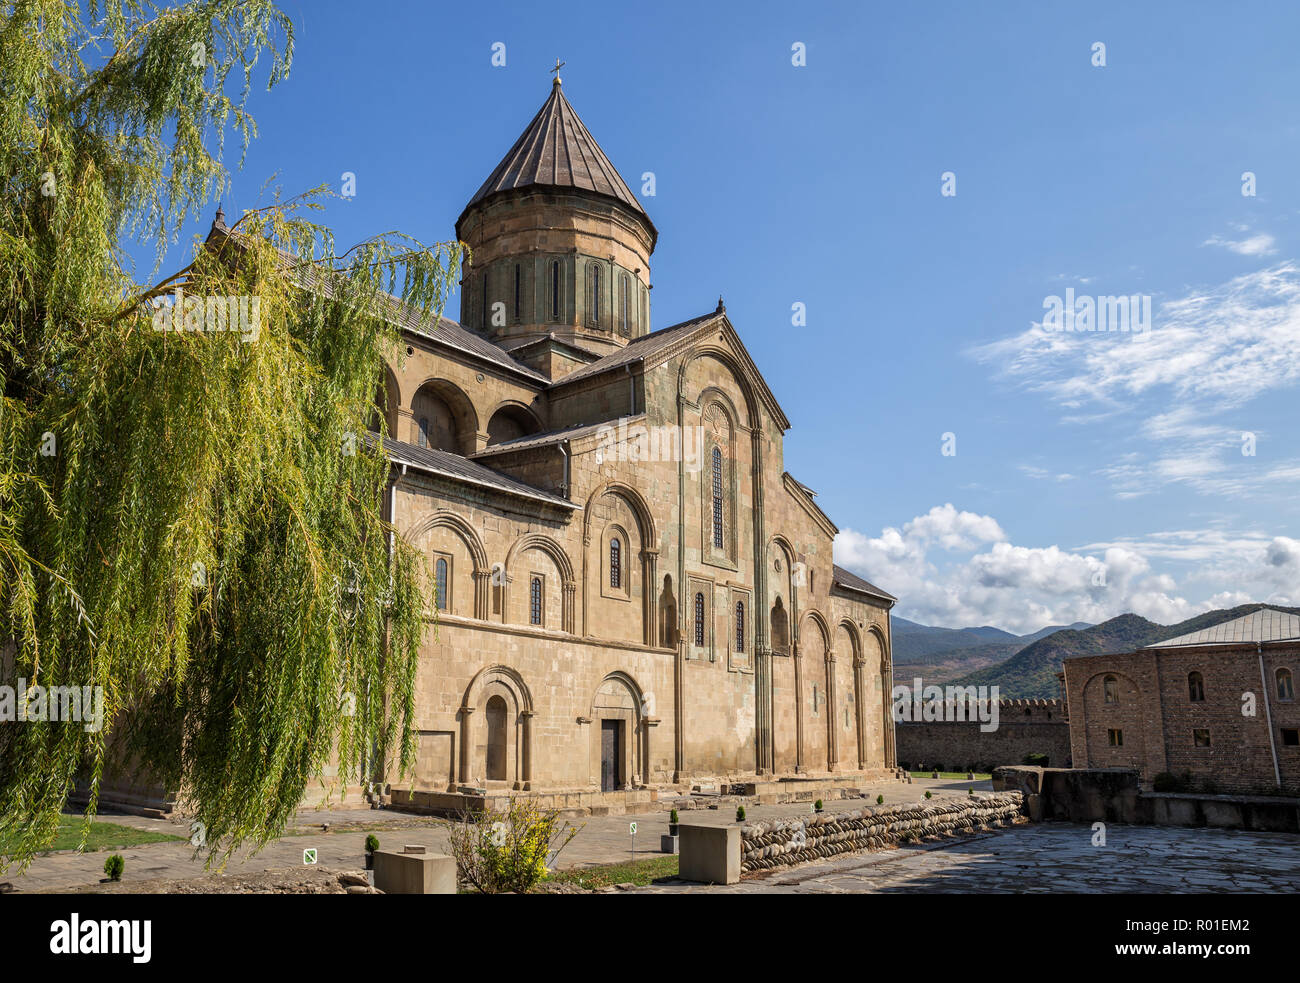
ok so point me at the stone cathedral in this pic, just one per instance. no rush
(629, 590)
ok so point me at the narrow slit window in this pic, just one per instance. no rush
(717, 498)
(535, 601)
(441, 584)
(699, 619)
(555, 290)
(518, 291)
(615, 563)
(1285, 685)
(740, 626)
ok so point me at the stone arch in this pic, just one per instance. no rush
(388, 402)
(481, 573)
(725, 356)
(459, 433)
(1099, 718)
(555, 551)
(825, 700)
(620, 706)
(504, 684)
(509, 420)
(645, 563)
(883, 669)
(849, 668)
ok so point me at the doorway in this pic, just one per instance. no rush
(611, 755)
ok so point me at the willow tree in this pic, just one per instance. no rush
(191, 516)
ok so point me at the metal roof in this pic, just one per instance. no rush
(851, 581)
(1264, 625)
(557, 151)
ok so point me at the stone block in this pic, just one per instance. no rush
(414, 873)
(709, 854)
(667, 844)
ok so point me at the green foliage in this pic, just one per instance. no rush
(672, 816)
(740, 814)
(880, 800)
(927, 793)
(818, 805)
(114, 866)
(502, 852)
(1038, 760)
(1167, 781)
(208, 542)
(372, 843)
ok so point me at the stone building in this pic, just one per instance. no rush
(1216, 706)
(629, 589)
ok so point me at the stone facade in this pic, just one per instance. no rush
(634, 593)
(1218, 713)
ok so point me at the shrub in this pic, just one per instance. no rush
(114, 866)
(927, 793)
(1166, 782)
(880, 800)
(818, 805)
(508, 851)
(740, 814)
(672, 816)
(372, 843)
(970, 791)
(1038, 760)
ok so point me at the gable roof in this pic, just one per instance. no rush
(851, 581)
(445, 464)
(557, 151)
(657, 347)
(1264, 625)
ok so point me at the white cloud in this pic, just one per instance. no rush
(957, 568)
(1257, 245)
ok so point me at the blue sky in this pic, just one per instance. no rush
(1094, 473)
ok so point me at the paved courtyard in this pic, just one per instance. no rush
(1043, 858)
(1050, 858)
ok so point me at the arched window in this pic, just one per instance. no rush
(780, 628)
(593, 294)
(440, 584)
(717, 498)
(555, 290)
(535, 601)
(424, 431)
(485, 301)
(1111, 685)
(699, 619)
(1196, 687)
(623, 313)
(740, 626)
(1285, 688)
(518, 291)
(615, 563)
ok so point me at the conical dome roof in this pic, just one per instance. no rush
(556, 151)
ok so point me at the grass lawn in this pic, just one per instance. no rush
(638, 872)
(103, 836)
(955, 775)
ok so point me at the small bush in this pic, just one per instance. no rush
(927, 793)
(114, 866)
(672, 816)
(740, 814)
(970, 791)
(880, 800)
(1037, 760)
(372, 843)
(498, 852)
(818, 805)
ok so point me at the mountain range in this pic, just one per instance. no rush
(1031, 672)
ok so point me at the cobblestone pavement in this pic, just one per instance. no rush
(1049, 858)
(602, 840)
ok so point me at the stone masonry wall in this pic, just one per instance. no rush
(1024, 727)
(780, 843)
